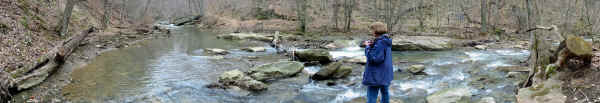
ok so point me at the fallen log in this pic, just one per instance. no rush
(185, 20)
(52, 60)
(36, 72)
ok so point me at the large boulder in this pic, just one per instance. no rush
(421, 43)
(320, 55)
(242, 36)
(333, 71)
(547, 92)
(451, 95)
(239, 79)
(276, 70)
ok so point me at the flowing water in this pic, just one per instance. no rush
(176, 70)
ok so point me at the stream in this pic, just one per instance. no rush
(175, 70)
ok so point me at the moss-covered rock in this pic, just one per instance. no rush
(238, 78)
(276, 70)
(421, 43)
(578, 46)
(333, 71)
(320, 55)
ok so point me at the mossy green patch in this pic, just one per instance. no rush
(24, 21)
(3, 28)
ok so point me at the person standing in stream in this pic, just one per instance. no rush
(379, 69)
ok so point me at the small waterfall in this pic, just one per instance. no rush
(284, 46)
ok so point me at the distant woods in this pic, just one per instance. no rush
(137, 12)
(445, 17)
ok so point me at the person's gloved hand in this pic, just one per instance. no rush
(368, 43)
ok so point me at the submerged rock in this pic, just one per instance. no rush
(364, 100)
(242, 36)
(421, 43)
(333, 71)
(416, 69)
(255, 49)
(216, 51)
(451, 95)
(487, 100)
(320, 55)
(238, 78)
(276, 70)
(417, 95)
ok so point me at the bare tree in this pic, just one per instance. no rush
(484, 16)
(301, 6)
(107, 12)
(336, 10)
(123, 11)
(64, 28)
(348, 7)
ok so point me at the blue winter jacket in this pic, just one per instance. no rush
(379, 69)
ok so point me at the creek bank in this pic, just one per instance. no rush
(91, 47)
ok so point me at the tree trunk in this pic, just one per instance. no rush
(301, 12)
(421, 17)
(532, 47)
(64, 28)
(484, 16)
(348, 6)
(107, 16)
(123, 13)
(336, 10)
(148, 3)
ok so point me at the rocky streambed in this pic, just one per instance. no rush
(195, 66)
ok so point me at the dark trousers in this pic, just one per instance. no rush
(373, 92)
